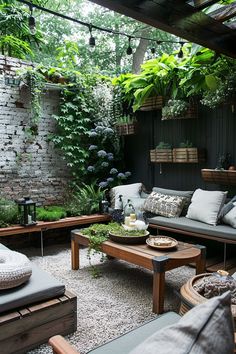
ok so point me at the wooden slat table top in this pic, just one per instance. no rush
(183, 251)
(42, 225)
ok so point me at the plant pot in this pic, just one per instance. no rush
(161, 155)
(126, 129)
(152, 103)
(188, 155)
(224, 177)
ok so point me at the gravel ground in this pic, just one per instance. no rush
(110, 305)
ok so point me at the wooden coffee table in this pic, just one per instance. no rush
(157, 261)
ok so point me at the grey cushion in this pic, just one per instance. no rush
(226, 208)
(125, 343)
(206, 205)
(186, 194)
(41, 286)
(183, 223)
(230, 217)
(206, 329)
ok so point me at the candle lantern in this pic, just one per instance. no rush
(27, 211)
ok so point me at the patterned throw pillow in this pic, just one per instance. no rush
(166, 205)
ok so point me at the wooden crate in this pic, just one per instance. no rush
(161, 155)
(152, 103)
(225, 177)
(126, 129)
(188, 155)
(26, 328)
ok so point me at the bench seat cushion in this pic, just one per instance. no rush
(124, 344)
(183, 223)
(41, 286)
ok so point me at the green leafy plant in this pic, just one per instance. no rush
(50, 213)
(186, 144)
(174, 109)
(99, 233)
(8, 213)
(126, 119)
(163, 145)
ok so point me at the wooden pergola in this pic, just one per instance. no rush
(192, 20)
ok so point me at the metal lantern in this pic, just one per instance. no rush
(27, 211)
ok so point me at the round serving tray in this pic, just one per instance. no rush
(129, 239)
(151, 241)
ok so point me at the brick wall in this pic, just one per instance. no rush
(28, 166)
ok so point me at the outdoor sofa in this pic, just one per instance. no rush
(34, 311)
(206, 329)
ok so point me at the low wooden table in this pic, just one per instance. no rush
(157, 261)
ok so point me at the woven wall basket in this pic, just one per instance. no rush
(188, 155)
(126, 129)
(161, 155)
(152, 103)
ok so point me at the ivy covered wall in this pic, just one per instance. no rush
(29, 165)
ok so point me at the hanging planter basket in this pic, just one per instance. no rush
(126, 129)
(188, 155)
(161, 155)
(191, 112)
(152, 103)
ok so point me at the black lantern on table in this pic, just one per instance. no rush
(27, 211)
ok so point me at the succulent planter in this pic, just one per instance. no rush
(126, 129)
(191, 112)
(152, 103)
(188, 155)
(161, 155)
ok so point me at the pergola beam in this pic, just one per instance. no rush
(202, 4)
(224, 13)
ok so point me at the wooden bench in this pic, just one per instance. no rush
(43, 226)
(28, 327)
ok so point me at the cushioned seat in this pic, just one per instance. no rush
(128, 341)
(41, 286)
(183, 223)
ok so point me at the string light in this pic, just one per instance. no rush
(32, 21)
(92, 41)
(129, 50)
(153, 50)
(181, 53)
(91, 26)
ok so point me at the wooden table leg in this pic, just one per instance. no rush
(158, 293)
(201, 263)
(74, 254)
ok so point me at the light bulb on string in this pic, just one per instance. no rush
(32, 24)
(153, 50)
(92, 41)
(129, 50)
(181, 53)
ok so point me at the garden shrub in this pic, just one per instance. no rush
(8, 213)
(50, 213)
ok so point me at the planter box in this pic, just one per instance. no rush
(152, 103)
(225, 177)
(126, 129)
(188, 155)
(161, 155)
(192, 112)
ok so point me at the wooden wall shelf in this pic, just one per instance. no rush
(226, 177)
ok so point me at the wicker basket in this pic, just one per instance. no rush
(126, 129)
(152, 103)
(188, 155)
(191, 297)
(225, 177)
(161, 155)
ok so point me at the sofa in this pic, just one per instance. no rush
(32, 312)
(206, 329)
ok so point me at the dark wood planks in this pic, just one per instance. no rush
(28, 327)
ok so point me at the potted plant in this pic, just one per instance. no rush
(162, 153)
(126, 125)
(179, 109)
(186, 153)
